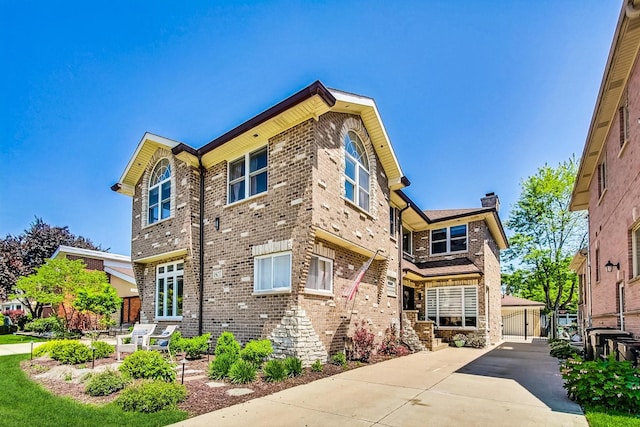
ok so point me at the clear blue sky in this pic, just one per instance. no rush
(475, 95)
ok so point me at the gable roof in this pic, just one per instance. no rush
(511, 301)
(308, 103)
(89, 253)
(622, 57)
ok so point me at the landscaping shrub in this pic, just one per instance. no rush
(390, 341)
(147, 365)
(227, 344)
(219, 367)
(175, 345)
(606, 384)
(151, 396)
(293, 366)
(49, 324)
(563, 350)
(339, 359)
(274, 370)
(42, 349)
(69, 352)
(193, 347)
(242, 372)
(256, 351)
(102, 349)
(105, 383)
(363, 342)
(317, 366)
(402, 350)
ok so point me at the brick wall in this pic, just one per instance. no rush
(91, 263)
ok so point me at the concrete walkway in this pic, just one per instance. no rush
(21, 348)
(514, 384)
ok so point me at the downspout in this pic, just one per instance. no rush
(400, 250)
(201, 248)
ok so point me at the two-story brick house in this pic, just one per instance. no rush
(608, 185)
(261, 231)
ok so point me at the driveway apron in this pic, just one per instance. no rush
(513, 384)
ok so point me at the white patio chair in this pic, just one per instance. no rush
(162, 341)
(139, 338)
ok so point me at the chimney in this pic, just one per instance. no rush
(490, 200)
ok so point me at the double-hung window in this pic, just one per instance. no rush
(449, 240)
(623, 119)
(453, 306)
(393, 221)
(392, 289)
(320, 274)
(169, 289)
(272, 272)
(602, 178)
(356, 171)
(248, 175)
(160, 192)
(635, 247)
(407, 241)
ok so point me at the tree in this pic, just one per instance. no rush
(101, 299)
(21, 255)
(547, 236)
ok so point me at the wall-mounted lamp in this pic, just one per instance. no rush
(609, 266)
(216, 223)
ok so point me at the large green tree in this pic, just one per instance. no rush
(546, 237)
(21, 255)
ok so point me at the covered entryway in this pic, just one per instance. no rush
(522, 318)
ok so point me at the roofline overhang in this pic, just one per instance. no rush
(413, 275)
(158, 257)
(120, 275)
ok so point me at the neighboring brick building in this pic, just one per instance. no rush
(262, 230)
(119, 273)
(608, 185)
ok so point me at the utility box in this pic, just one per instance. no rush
(598, 338)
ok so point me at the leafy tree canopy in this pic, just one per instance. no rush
(21, 255)
(547, 236)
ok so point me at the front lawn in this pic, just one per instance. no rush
(603, 419)
(17, 339)
(25, 403)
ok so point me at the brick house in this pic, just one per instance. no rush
(608, 186)
(119, 273)
(262, 230)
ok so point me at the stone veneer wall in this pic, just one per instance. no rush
(295, 336)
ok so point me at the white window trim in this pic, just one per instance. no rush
(404, 249)
(358, 166)
(634, 253)
(159, 186)
(247, 176)
(448, 241)
(395, 287)
(272, 290)
(437, 321)
(321, 291)
(166, 275)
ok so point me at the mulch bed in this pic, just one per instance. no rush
(200, 397)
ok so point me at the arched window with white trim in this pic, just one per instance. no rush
(356, 171)
(160, 192)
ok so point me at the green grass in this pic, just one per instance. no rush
(25, 403)
(17, 339)
(602, 419)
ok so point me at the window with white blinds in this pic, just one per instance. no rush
(453, 306)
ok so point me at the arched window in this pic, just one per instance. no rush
(160, 192)
(356, 171)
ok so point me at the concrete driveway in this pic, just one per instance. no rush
(514, 384)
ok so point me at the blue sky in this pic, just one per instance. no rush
(475, 96)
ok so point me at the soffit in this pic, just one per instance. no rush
(622, 56)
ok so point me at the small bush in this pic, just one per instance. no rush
(402, 350)
(175, 345)
(242, 372)
(339, 359)
(194, 347)
(256, 351)
(42, 349)
(606, 384)
(219, 367)
(102, 349)
(563, 350)
(48, 324)
(147, 365)
(274, 370)
(151, 396)
(105, 383)
(390, 341)
(69, 352)
(317, 366)
(363, 342)
(293, 366)
(227, 344)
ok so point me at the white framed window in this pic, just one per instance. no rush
(160, 192)
(635, 248)
(393, 221)
(392, 289)
(356, 171)
(272, 272)
(248, 175)
(320, 276)
(453, 306)
(449, 240)
(407, 241)
(169, 290)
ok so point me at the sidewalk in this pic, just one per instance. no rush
(22, 348)
(451, 387)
